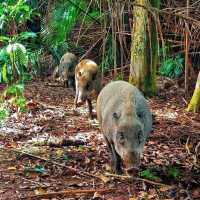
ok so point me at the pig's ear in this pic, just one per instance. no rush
(116, 116)
(94, 76)
(79, 73)
(140, 137)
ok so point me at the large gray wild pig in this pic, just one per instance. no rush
(65, 71)
(126, 121)
(88, 83)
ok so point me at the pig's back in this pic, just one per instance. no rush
(68, 57)
(112, 99)
(87, 65)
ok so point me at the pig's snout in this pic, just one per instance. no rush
(81, 99)
(79, 103)
(133, 171)
(132, 161)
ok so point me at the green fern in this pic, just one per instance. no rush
(172, 67)
(4, 65)
(149, 174)
(3, 114)
(107, 61)
(65, 15)
(63, 18)
(18, 52)
(173, 172)
(16, 89)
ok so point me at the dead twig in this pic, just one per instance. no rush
(134, 178)
(54, 85)
(34, 182)
(70, 192)
(81, 173)
(197, 124)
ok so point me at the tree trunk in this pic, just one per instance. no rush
(137, 66)
(186, 45)
(144, 49)
(150, 87)
(195, 100)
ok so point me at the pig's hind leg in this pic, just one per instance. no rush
(71, 83)
(89, 103)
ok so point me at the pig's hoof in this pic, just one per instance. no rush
(75, 106)
(75, 112)
(132, 171)
(118, 171)
(92, 116)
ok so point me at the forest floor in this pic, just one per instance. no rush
(54, 152)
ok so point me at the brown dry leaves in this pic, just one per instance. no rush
(51, 118)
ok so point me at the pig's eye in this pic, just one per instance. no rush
(87, 86)
(79, 73)
(140, 115)
(115, 115)
(121, 138)
(94, 76)
(140, 137)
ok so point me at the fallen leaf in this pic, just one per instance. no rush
(40, 191)
(105, 179)
(133, 198)
(59, 153)
(97, 196)
(196, 193)
(12, 168)
(87, 160)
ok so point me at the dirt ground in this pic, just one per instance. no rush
(54, 152)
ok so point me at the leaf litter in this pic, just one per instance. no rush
(35, 163)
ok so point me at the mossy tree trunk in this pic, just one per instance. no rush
(195, 100)
(137, 67)
(144, 48)
(152, 52)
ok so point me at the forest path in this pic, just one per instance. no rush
(51, 122)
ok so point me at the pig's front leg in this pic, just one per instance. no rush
(76, 94)
(76, 99)
(116, 161)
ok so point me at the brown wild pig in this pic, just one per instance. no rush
(87, 79)
(65, 71)
(125, 121)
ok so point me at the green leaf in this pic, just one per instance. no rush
(19, 53)
(81, 148)
(2, 20)
(4, 39)
(148, 174)
(15, 89)
(26, 35)
(173, 172)
(3, 113)
(66, 157)
(4, 56)
(172, 67)
(4, 73)
(26, 77)
(21, 103)
(63, 19)
(39, 169)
